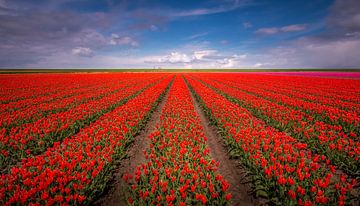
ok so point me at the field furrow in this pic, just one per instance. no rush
(348, 120)
(179, 169)
(34, 138)
(275, 88)
(189, 138)
(20, 88)
(284, 170)
(343, 150)
(31, 113)
(77, 169)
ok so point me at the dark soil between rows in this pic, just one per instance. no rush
(230, 169)
(135, 156)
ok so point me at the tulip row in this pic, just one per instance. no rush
(179, 169)
(262, 83)
(344, 89)
(342, 149)
(331, 114)
(20, 87)
(34, 138)
(349, 120)
(76, 170)
(51, 95)
(284, 170)
(33, 112)
(61, 89)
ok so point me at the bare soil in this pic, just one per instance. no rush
(230, 169)
(115, 195)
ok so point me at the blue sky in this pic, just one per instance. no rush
(179, 34)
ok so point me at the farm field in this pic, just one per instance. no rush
(166, 138)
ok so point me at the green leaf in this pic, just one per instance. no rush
(261, 193)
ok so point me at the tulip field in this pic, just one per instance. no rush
(65, 137)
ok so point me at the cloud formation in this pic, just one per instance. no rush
(292, 28)
(247, 25)
(125, 40)
(196, 59)
(29, 35)
(338, 46)
(74, 33)
(345, 15)
(284, 29)
(226, 6)
(197, 35)
(268, 31)
(83, 51)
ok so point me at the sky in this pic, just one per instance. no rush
(179, 34)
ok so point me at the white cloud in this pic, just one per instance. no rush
(123, 40)
(195, 36)
(199, 55)
(225, 7)
(294, 27)
(268, 31)
(284, 29)
(231, 62)
(247, 25)
(257, 65)
(153, 28)
(197, 59)
(180, 57)
(175, 57)
(89, 38)
(83, 52)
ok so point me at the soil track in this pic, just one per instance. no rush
(228, 168)
(135, 156)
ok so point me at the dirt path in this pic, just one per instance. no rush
(135, 156)
(228, 168)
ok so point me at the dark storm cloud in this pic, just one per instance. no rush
(30, 33)
(41, 25)
(338, 46)
(345, 14)
(5, 11)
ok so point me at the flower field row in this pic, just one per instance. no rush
(77, 169)
(32, 112)
(348, 119)
(51, 95)
(179, 169)
(330, 140)
(318, 96)
(265, 139)
(283, 168)
(344, 89)
(19, 87)
(35, 137)
(67, 88)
